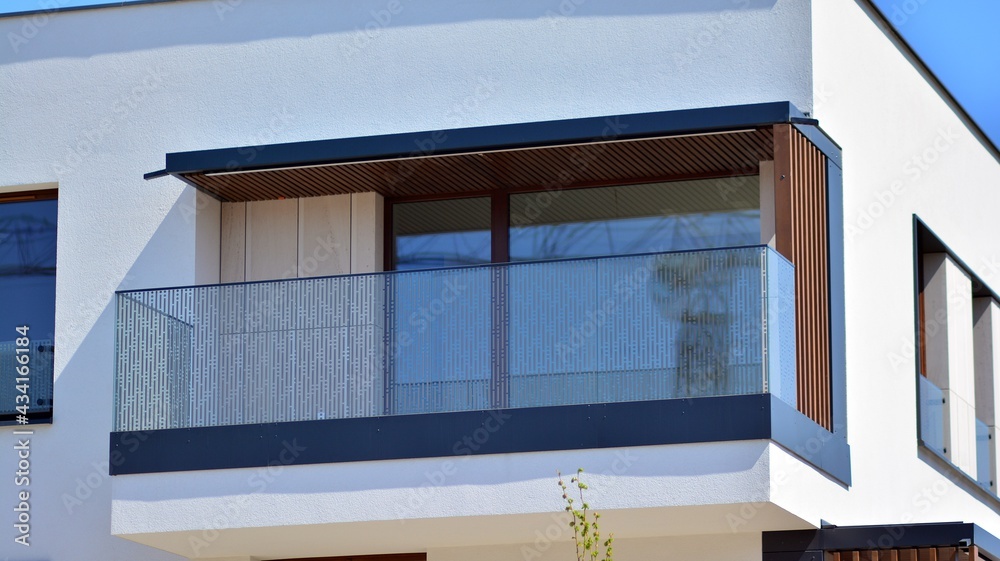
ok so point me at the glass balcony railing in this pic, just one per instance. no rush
(598, 330)
(933, 425)
(931, 415)
(27, 390)
(984, 475)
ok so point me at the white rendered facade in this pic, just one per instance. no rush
(91, 100)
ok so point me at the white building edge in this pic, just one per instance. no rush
(888, 222)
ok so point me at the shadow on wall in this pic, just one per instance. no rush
(73, 485)
(158, 264)
(87, 33)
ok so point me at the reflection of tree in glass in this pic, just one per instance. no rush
(623, 236)
(27, 245)
(693, 292)
(448, 249)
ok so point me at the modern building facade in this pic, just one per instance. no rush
(317, 280)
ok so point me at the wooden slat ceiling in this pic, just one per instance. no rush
(625, 161)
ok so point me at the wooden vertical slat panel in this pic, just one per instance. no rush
(949, 554)
(812, 257)
(802, 260)
(909, 554)
(801, 235)
(804, 176)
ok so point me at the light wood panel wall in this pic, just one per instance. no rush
(308, 237)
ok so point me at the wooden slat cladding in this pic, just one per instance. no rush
(801, 236)
(908, 554)
(603, 163)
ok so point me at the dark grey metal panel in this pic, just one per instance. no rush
(610, 425)
(495, 137)
(838, 324)
(826, 451)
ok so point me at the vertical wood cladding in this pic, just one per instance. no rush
(908, 554)
(800, 201)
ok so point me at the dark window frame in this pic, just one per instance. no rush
(925, 240)
(500, 208)
(42, 417)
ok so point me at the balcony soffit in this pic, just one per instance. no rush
(585, 164)
(590, 151)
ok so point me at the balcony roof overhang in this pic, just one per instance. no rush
(634, 148)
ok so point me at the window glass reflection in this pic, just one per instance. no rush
(442, 233)
(27, 316)
(635, 219)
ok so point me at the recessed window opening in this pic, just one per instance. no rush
(958, 361)
(27, 317)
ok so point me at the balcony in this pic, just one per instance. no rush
(708, 346)
(526, 335)
(935, 435)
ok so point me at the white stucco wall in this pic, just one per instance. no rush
(93, 99)
(731, 489)
(906, 152)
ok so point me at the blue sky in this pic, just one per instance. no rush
(11, 6)
(958, 39)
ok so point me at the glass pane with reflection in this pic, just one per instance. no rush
(444, 233)
(27, 316)
(653, 217)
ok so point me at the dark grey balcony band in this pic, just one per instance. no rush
(444, 435)
(494, 137)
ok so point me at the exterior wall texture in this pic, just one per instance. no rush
(90, 100)
(906, 152)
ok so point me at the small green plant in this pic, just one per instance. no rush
(586, 534)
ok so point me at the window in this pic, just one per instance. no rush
(570, 223)
(444, 233)
(633, 219)
(27, 317)
(479, 304)
(959, 332)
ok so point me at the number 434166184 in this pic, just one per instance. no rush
(23, 357)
